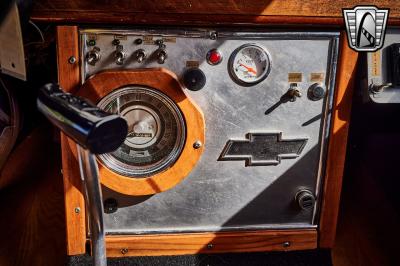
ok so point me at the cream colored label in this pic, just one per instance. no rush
(317, 77)
(192, 63)
(119, 37)
(148, 39)
(169, 39)
(295, 77)
(376, 63)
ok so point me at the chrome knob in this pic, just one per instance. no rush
(93, 56)
(140, 55)
(119, 55)
(316, 92)
(162, 55)
(305, 199)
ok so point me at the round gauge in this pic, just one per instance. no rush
(249, 64)
(156, 131)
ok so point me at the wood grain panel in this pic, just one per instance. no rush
(69, 78)
(180, 244)
(337, 144)
(225, 12)
(99, 85)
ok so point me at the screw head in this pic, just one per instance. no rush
(72, 60)
(286, 244)
(124, 251)
(197, 144)
(213, 35)
(77, 210)
(210, 246)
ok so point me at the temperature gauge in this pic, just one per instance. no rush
(249, 64)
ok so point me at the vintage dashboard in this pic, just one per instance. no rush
(257, 145)
(227, 148)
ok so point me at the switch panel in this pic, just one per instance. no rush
(384, 70)
(266, 99)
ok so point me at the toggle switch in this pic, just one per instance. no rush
(119, 55)
(161, 56)
(293, 93)
(93, 56)
(140, 55)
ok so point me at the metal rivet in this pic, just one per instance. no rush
(286, 244)
(210, 246)
(197, 144)
(77, 210)
(72, 60)
(124, 251)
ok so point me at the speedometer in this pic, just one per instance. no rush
(156, 131)
(249, 64)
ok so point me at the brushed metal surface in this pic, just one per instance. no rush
(226, 195)
(391, 94)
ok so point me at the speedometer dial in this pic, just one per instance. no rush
(156, 131)
(249, 64)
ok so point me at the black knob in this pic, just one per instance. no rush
(194, 79)
(316, 92)
(110, 205)
(305, 199)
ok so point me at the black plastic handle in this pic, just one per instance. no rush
(88, 125)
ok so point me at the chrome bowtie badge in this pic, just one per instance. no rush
(366, 26)
(262, 149)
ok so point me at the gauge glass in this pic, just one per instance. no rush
(156, 131)
(250, 64)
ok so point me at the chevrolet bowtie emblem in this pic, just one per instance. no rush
(262, 149)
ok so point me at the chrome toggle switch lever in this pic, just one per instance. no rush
(140, 55)
(161, 55)
(120, 55)
(93, 56)
(293, 93)
(374, 88)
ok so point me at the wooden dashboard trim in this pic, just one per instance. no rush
(337, 143)
(69, 80)
(205, 13)
(220, 242)
(161, 79)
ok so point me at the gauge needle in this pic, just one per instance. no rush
(250, 69)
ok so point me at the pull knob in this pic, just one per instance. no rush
(374, 88)
(305, 199)
(194, 79)
(119, 55)
(93, 56)
(161, 55)
(316, 92)
(140, 55)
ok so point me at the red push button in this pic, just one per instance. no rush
(214, 57)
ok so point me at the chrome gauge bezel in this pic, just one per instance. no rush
(232, 61)
(128, 170)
